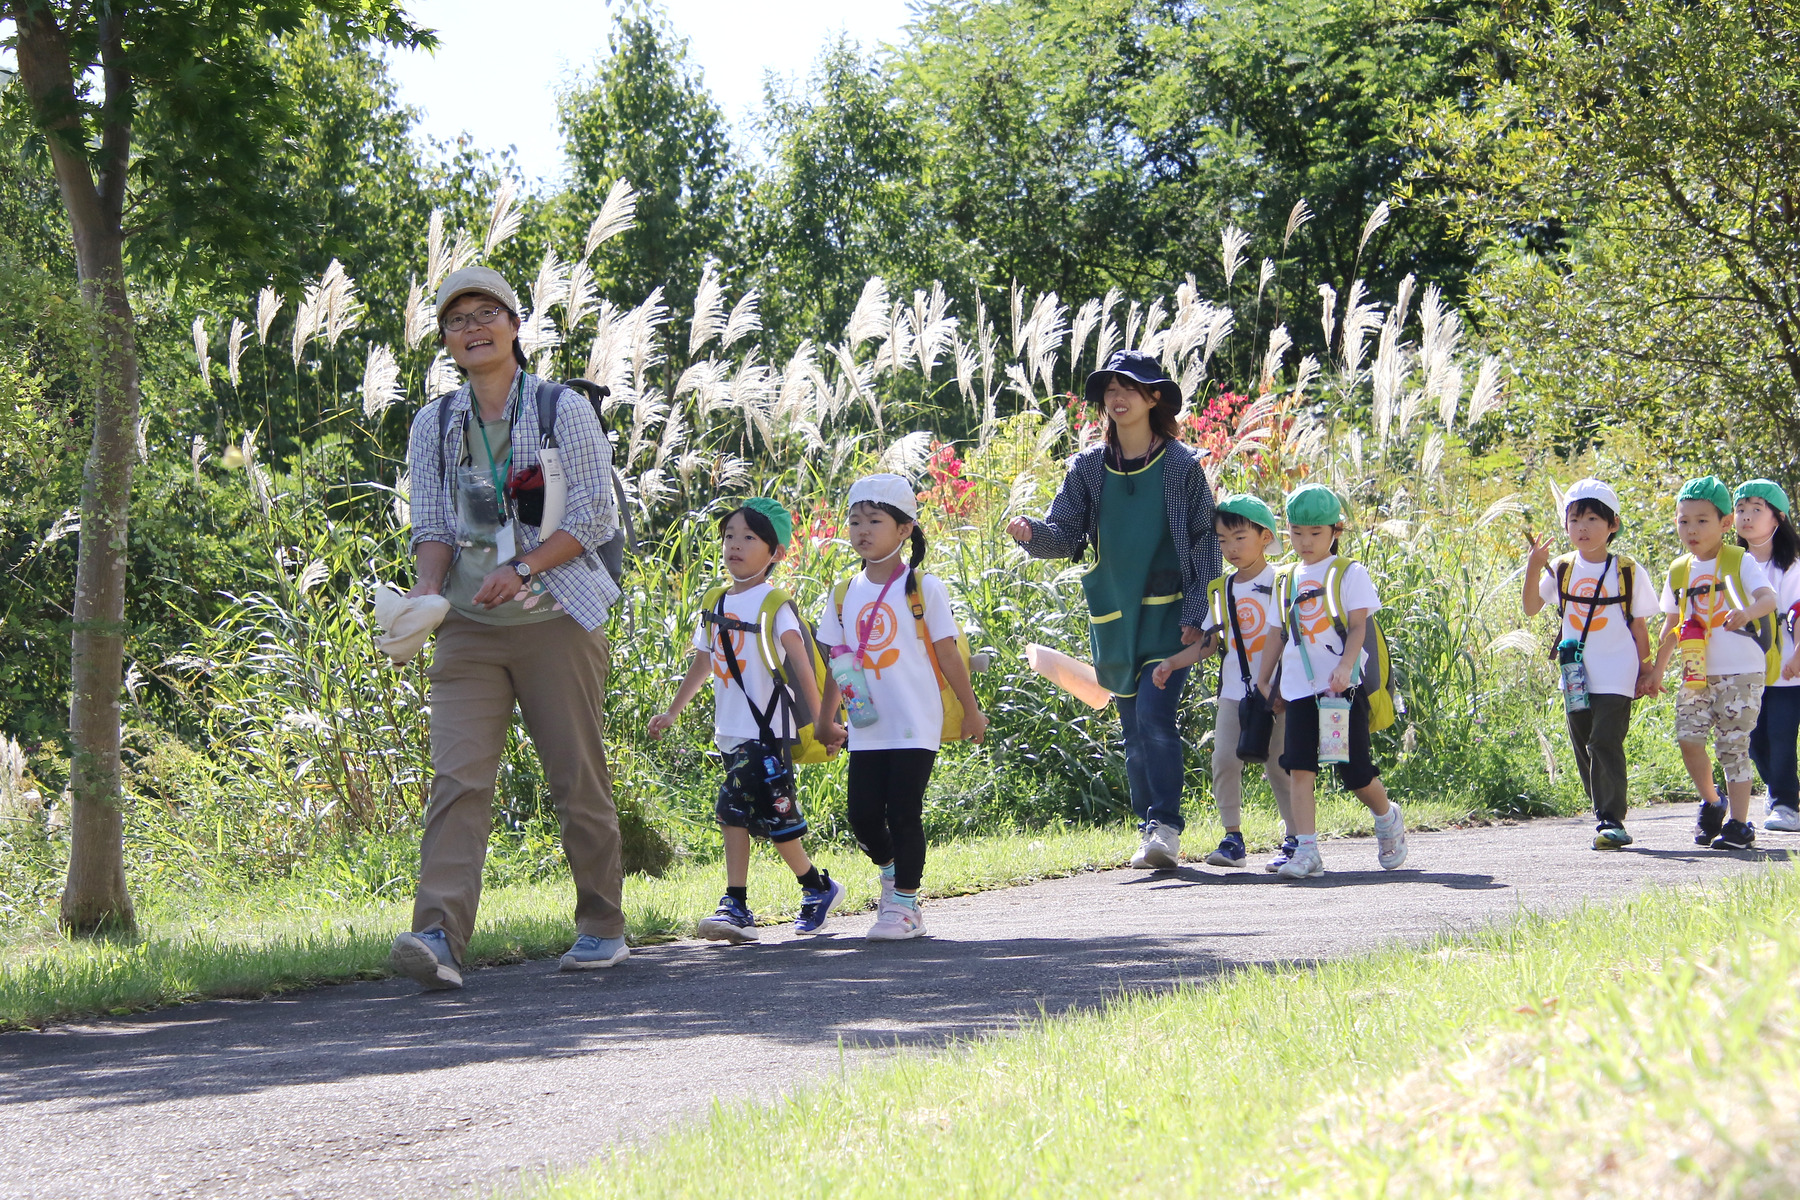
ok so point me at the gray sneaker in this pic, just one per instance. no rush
(1783, 819)
(426, 959)
(590, 953)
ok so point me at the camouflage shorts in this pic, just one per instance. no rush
(1727, 708)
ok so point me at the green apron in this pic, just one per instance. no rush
(1134, 587)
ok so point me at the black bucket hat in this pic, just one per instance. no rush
(1139, 368)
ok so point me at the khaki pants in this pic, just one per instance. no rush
(556, 671)
(1228, 768)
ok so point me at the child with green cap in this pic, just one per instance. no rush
(1323, 608)
(1602, 600)
(1237, 625)
(755, 714)
(1765, 528)
(1718, 600)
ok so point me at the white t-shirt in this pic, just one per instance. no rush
(1727, 653)
(1324, 650)
(733, 722)
(1787, 594)
(1254, 598)
(1611, 653)
(909, 712)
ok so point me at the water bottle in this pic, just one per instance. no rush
(1574, 675)
(853, 686)
(1693, 654)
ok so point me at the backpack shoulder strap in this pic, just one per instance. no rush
(1560, 568)
(712, 595)
(767, 638)
(1627, 581)
(443, 423)
(1215, 601)
(838, 591)
(548, 395)
(1334, 593)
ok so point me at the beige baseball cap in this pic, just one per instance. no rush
(484, 280)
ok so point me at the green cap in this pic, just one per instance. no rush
(1763, 489)
(778, 516)
(1249, 508)
(1313, 504)
(1709, 488)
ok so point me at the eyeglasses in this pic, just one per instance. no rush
(481, 316)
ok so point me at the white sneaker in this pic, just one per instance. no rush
(897, 922)
(1160, 851)
(1390, 847)
(1303, 863)
(1783, 819)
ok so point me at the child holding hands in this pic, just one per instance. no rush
(1237, 625)
(1323, 608)
(1717, 598)
(1765, 528)
(1603, 599)
(757, 797)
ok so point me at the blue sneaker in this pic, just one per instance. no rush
(1230, 853)
(816, 905)
(732, 921)
(1282, 855)
(426, 959)
(590, 952)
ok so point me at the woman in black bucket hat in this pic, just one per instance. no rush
(1142, 501)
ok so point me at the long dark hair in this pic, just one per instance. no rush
(1162, 417)
(1784, 547)
(900, 518)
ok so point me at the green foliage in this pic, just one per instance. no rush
(1630, 163)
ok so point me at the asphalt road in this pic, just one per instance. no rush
(378, 1090)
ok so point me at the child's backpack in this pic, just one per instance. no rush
(1385, 701)
(1563, 565)
(807, 748)
(549, 394)
(1731, 573)
(953, 709)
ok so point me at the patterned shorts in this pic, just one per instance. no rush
(746, 801)
(1727, 708)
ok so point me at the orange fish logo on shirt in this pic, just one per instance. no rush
(1313, 616)
(1582, 591)
(1252, 621)
(881, 652)
(733, 638)
(1712, 607)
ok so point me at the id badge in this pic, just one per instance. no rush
(1334, 729)
(504, 546)
(1575, 686)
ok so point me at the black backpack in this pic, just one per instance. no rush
(549, 394)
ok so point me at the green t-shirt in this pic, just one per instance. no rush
(475, 563)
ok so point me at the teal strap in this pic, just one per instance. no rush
(508, 416)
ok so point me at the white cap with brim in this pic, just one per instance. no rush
(483, 280)
(886, 489)
(406, 621)
(1591, 489)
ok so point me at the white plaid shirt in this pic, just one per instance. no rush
(581, 585)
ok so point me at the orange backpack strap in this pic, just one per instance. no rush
(916, 598)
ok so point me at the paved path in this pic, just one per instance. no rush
(377, 1090)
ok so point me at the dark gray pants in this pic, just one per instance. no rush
(1599, 738)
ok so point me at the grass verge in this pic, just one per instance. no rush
(1641, 1049)
(267, 941)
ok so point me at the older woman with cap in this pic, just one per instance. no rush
(526, 625)
(1142, 501)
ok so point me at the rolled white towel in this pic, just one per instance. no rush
(406, 621)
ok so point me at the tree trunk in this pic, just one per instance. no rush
(95, 896)
(91, 179)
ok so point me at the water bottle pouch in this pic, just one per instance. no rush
(1334, 729)
(478, 513)
(1571, 655)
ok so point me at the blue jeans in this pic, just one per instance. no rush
(1153, 750)
(1772, 744)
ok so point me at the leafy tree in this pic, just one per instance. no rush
(185, 192)
(1633, 162)
(645, 116)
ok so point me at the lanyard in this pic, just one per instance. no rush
(865, 629)
(504, 470)
(1594, 601)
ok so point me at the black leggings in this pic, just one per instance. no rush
(887, 809)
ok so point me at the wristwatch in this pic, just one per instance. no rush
(522, 569)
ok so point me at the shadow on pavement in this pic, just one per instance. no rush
(813, 991)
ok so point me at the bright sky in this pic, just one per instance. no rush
(530, 47)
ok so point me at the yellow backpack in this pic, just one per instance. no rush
(807, 748)
(1731, 573)
(1385, 701)
(953, 709)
